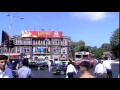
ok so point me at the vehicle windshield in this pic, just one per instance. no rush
(78, 56)
(85, 56)
(40, 59)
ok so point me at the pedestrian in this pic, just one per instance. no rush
(107, 65)
(84, 69)
(49, 65)
(5, 72)
(19, 65)
(100, 70)
(71, 70)
(25, 71)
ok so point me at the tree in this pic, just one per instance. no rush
(106, 47)
(77, 46)
(98, 53)
(114, 41)
(73, 49)
(88, 48)
(81, 45)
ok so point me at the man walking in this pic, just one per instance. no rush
(70, 70)
(107, 65)
(100, 70)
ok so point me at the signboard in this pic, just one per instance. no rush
(41, 34)
(82, 53)
(39, 50)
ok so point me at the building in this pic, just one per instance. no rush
(0, 49)
(41, 44)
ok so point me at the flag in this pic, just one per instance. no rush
(5, 37)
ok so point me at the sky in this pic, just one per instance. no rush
(94, 28)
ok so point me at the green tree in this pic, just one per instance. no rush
(73, 47)
(106, 47)
(81, 45)
(98, 53)
(114, 41)
(88, 48)
(77, 46)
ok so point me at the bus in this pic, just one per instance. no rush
(83, 56)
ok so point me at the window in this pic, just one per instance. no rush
(19, 42)
(38, 42)
(26, 49)
(12, 50)
(33, 42)
(56, 42)
(46, 42)
(18, 49)
(5, 50)
(27, 42)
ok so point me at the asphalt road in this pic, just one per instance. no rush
(46, 74)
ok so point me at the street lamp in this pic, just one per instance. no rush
(46, 45)
(11, 17)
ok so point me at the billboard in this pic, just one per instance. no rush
(40, 50)
(41, 34)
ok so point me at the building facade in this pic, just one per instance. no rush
(41, 44)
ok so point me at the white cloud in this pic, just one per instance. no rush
(92, 16)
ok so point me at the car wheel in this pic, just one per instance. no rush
(38, 68)
(62, 73)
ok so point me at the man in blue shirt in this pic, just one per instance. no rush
(25, 71)
(5, 72)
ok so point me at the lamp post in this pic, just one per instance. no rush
(46, 44)
(11, 17)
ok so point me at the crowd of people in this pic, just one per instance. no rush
(102, 69)
(22, 69)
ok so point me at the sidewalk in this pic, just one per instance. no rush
(116, 62)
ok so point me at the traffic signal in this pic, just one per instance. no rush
(11, 44)
(7, 43)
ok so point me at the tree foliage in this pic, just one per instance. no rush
(77, 46)
(98, 52)
(114, 41)
(106, 47)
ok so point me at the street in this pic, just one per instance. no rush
(46, 74)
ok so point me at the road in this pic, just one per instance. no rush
(46, 74)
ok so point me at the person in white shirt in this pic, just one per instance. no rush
(100, 70)
(49, 65)
(70, 70)
(5, 72)
(107, 65)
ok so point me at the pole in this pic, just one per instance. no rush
(9, 38)
(46, 45)
(8, 54)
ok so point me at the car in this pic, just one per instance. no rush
(33, 63)
(59, 69)
(41, 64)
